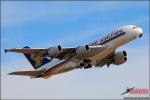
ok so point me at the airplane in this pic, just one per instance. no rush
(128, 90)
(56, 60)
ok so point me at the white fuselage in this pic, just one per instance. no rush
(130, 33)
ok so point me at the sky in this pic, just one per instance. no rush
(43, 24)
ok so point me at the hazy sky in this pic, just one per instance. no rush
(70, 24)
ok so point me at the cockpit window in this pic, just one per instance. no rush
(134, 27)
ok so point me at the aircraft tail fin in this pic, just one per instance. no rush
(35, 62)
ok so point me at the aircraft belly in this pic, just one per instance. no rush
(49, 65)
(101, 55)
(65, 68)
(61, 68)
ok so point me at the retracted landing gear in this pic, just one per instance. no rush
(88, 66)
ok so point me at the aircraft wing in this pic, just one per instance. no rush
(66, 52)
(24, 50)
(33, 51)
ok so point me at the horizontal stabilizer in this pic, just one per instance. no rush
(27, 73)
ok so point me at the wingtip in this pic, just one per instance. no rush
(10, 73)
(5, 50)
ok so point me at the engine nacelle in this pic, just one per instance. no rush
(54, 51)
(81, 51)
(120, 58)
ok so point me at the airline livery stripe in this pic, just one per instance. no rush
(108, 38)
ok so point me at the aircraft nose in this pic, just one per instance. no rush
(139, 32)
(140, 35)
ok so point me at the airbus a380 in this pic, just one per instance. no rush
(56, 60)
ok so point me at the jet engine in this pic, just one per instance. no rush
(53, 51)
(120, 58)
(81, 51)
